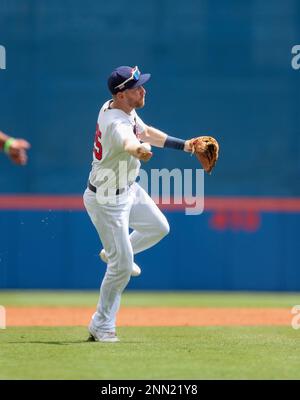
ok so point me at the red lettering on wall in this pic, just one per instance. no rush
(247, 221)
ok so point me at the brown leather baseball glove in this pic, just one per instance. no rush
(206, 149)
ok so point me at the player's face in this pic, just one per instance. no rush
(135, 97)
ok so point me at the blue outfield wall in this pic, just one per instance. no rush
(222, 68)
(218, 67)
(59, 249)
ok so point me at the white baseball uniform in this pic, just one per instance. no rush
(113, 214)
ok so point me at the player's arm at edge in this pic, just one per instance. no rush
(14, 148)
(3, 139)
(160, 139)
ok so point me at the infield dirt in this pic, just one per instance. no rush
(151, 316)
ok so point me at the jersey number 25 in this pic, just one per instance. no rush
(97, 144)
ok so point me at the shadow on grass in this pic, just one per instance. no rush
(72, 342)
(57, 343)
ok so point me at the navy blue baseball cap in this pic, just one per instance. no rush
(123, 78)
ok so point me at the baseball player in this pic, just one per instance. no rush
(114, 201)
(16, 149)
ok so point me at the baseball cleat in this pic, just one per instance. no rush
(136, 270)
(103, 256)
(91, 338)
(97, 336)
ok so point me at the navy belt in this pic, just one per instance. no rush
(118, 191)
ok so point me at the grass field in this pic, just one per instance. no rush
(149, 299)
(151, 352)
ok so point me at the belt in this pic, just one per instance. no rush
(118, 191)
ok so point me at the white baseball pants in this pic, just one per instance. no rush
(135, 209)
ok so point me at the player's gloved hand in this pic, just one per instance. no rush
(206, 149)
(17, 151)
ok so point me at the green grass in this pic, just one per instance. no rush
(155, 299)
(151, 353)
